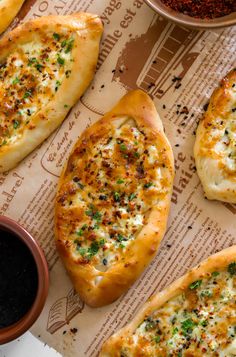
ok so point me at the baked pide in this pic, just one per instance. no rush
(215, 146)
(195, 316)
(113, 200)
(45, 66)
(8, 10)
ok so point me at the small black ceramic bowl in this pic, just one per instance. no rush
(24, 279)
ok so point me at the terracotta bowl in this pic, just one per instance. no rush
(189, 21)
(11, 332)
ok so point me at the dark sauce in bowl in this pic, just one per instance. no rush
(18, 279)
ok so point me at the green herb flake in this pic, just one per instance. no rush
(69, 45)
(196, 284)
(136, 154)
(132, 196)
(175, 330)
(123, 147)
(187, 326)
(204, 323)
(93, 249)
(56, 36)
(27, 94)
(16, 124)
(60, 60)
(156, 339)
(147, 185)
(58, 83)
(215, 273)
(32, 61)
(120, 181)
(116, 196)
(16, 80)
(82, 251)
(232, 268)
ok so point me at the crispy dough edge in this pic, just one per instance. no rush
(8, 11)
(218, 100)
(111, 347)
(89, 30)
(119, 278)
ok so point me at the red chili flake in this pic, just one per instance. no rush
(204, 9)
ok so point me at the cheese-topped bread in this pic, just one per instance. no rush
(194, 317)
(8, 10)
(215, 146)
(45, 66)
(113, 200)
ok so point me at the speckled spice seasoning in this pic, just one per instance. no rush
(204, 9)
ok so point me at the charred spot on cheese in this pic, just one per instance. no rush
(112, 180)
(201, 321)
(30, 76)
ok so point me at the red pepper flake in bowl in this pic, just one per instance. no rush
(204, 9)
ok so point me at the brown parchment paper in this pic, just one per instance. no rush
(179, 68)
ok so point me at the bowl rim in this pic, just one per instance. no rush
(188, 21)
(11, 332)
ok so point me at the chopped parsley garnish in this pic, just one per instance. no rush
(132, 196)
(204, 323)
(116, 196)
(16, 124)
(195, 284)
(58, 83)
(82, 251)
(39, 67)
(136, 154)
(215, 273)
(94, 214)
(175, 330)
(81, 230)
(68, 45)
(123, 147)
(156, 339)
(187, 326)
(147, 185)
(120, 238)
(27, 94)
(232, 268)
(60, 60)
(66, 105)
(16, 80)
(32, 61)
(56, 36)
(120, 181)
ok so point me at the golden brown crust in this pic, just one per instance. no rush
(116, 280)
(8, 10)
(214, 148)
(112, 347)
(87, 30)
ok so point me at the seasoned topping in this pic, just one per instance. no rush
(219, 138)
(200, 322)
(29, 78)
(113, 179)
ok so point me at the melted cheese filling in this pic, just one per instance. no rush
(29, 78)
(114, 183)
(200, 322)
(220, 134)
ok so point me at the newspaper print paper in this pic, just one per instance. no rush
(179, 68)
